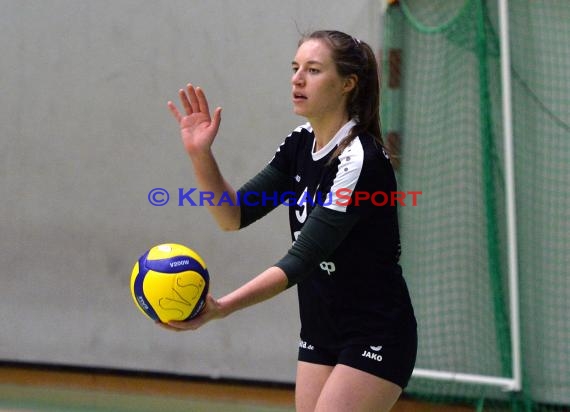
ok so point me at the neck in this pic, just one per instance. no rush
(325, 130)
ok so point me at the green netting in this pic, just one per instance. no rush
(442, 111)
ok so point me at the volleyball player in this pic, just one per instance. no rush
(358, 330)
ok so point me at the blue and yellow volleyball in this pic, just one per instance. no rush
(170, 282)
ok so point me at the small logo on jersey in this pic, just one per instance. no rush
(297, 178)
(328, 267)
(305, 345)
(374, 356)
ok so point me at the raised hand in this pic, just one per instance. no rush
(198, 131)
(197, 128)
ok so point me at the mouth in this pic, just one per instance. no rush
(298, 97)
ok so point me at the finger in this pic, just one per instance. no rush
(184, 325)
(185, 103)
(202, 101)
(193, 98)
(174, 110)
(167, 327)
(215, 124)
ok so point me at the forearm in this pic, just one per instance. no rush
(323, 232)
(266, 285)
(223, 206)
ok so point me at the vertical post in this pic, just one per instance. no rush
(498, 295)
(391, 115)
(393, 138)
(514, 300)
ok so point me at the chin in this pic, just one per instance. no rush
(299, 111)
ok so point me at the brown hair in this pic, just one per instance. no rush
(352, 56)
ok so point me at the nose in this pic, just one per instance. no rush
(297, 78)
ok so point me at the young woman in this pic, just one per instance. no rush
(358, 330)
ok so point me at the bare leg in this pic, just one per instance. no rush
(310, 381)
(351, 390)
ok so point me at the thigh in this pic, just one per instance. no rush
(311, 378)
(351, 390)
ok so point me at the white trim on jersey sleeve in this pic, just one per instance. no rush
(349, 169)
(306, 126)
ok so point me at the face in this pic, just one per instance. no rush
(318, 91)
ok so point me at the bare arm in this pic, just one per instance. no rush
(210, 179)
(198, 131)
(266, 285)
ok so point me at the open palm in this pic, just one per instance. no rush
(197, 128)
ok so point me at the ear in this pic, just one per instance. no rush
(350, 83)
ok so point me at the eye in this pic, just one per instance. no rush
(294, 69)
(312, 70)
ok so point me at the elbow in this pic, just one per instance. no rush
(229, 222)
(229, 227)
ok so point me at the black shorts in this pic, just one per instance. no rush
(393, 361)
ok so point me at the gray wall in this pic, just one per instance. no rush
(85, 134)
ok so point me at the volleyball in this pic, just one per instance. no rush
(170, 282)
